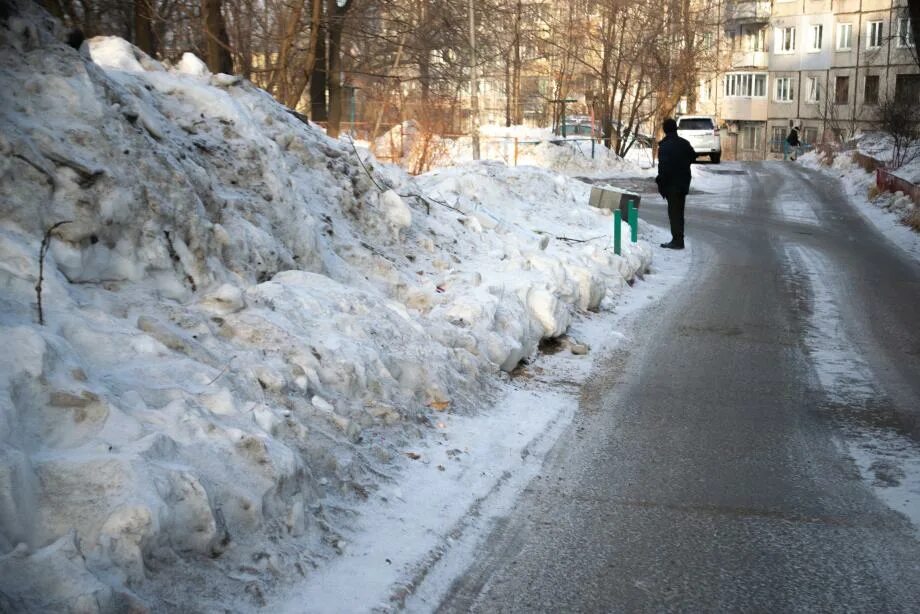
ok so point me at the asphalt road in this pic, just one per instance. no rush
(703, 472)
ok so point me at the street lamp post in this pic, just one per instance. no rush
(474, 85)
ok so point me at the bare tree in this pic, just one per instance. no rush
(899, 119)
(144, 15)
(218, 56)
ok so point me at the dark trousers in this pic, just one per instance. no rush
(676, 202)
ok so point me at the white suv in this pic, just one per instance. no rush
(703, 134)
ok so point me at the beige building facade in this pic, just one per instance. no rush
(821, 65)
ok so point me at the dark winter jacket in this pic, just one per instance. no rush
(675, 155)
(793, 138)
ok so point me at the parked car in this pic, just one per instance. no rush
(703, 134)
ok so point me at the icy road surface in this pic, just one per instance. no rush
(757, 451)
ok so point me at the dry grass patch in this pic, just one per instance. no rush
(912, 219)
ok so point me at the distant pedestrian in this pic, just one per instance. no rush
(792, 144)
(675, 155)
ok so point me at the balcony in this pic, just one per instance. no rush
(749, 59)
(747, 11)
(744, 109)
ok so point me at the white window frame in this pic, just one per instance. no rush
(814, 90)
(746, 132)
(841, 28)
(905, 36)
(874, 34)
(782, 92)
(744, 85)
(781, 40)
(817, 37)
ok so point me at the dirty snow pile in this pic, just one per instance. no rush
(899, 210)
(407, 144)
(857, 181)
(242, 326)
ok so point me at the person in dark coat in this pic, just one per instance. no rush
(792, 144)
(675, 155)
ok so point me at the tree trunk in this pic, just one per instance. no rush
(336, 90)
(336, 97)
(319, 112)
(218, 42)
(517, 108)
(143, 27)
(280, 84)
(424, 56)
(508, 94)
(316, 29)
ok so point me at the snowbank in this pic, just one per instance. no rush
(897, 208)
(242, 326)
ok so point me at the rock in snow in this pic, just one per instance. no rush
(237, 321)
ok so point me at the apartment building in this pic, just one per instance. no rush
(821, 65)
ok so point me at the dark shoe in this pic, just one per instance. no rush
(673, 245)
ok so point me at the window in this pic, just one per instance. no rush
(705, 90)
(905, 38)
(745, 85)
(875, 35)
(817, 36)
(753, 38)
(695, 123)
(870, 93)
(785, 40)
(810, 136)
(814, 89)
(841, 90)
(783, 89)
(844, 36)
(776, 141)
(907, 88)
(750, 137)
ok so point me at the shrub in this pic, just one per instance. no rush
(912, 218)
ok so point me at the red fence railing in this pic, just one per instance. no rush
(888, 182)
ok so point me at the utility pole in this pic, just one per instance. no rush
(474, 86)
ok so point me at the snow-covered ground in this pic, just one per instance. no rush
(254, 334)
(515, 145)
(886, 211)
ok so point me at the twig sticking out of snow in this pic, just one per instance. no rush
(571, 240)
(46, 243)
(361, 162)
(224, 370)
(427, 200)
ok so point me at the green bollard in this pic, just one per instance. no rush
(617, 223)
(633, 222)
